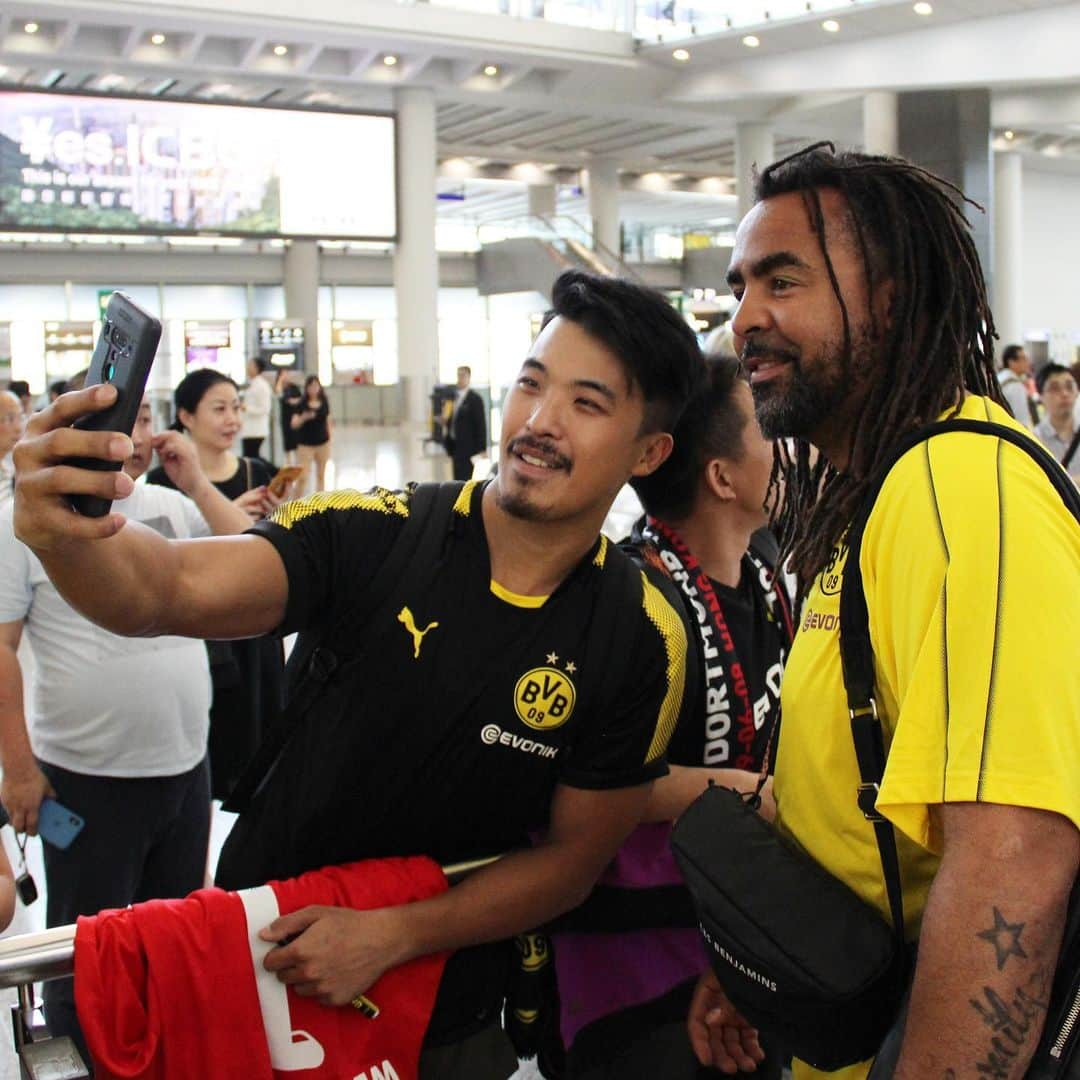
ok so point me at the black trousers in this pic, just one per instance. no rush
(463, 467)
(144, 839)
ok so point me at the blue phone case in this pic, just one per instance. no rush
(57, 824)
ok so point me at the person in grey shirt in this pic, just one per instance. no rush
(1058, 428)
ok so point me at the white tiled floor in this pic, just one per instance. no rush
(363, 456)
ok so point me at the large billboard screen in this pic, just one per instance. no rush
(102, 164)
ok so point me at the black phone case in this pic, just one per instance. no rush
(122, 356)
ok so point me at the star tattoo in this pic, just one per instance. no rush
(1005, 937)
(553, 658)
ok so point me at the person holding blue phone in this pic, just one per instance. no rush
(117, 728)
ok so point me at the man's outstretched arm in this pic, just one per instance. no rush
(989, 942)
(122, 575)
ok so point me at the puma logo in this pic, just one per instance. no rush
(405, 617)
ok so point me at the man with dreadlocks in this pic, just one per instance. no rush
(863, 316)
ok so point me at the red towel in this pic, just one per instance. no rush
(167, 990)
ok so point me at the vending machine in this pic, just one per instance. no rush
(215, 343)
(69, 347)
(352, 350)
(281, 345)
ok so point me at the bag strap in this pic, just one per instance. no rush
(314, 663)
(1066, 461)
(615, 618)
(856, 649)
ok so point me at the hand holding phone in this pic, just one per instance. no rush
(122, 357)
(56, 823)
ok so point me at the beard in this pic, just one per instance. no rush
(812, 394)
(517, 504)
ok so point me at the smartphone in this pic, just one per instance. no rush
(57, 824)
(283, 478)
(122, 356)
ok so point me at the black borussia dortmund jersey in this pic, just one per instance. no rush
(471, 705)
(477, 702)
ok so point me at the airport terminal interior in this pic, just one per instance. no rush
(381, 193)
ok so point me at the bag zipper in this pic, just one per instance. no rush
(1066, 1028)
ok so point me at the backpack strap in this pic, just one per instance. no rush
(856, 649)
(615, 619)
(314, 663)
(1066, 461)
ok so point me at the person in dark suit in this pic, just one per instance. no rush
(466, 432)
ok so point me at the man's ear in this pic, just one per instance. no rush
(656, 451)
(718, 480)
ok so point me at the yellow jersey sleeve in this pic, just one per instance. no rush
(971, 563)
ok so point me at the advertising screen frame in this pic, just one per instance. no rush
(389, 114)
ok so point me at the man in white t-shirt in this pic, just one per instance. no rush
(117, 726)
(11, 425)
(258, 402)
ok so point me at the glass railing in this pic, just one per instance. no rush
(593, 14)
(654, 20)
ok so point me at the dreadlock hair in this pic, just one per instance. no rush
(710, 427)
(908, 226)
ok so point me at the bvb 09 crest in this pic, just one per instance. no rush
(544, 698)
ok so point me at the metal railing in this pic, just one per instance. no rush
(50, 954)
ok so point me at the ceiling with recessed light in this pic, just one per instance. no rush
(516, 90)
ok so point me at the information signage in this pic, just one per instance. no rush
(100, 163)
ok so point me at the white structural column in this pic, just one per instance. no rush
(881, 132)
(416, 262)
(1007, 244)
(603, 189)
(753, 150)
(302, 295)
(542, 200)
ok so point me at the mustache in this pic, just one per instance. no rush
(525, 444)
(756, 350)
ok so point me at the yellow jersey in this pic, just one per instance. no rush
(971, 566)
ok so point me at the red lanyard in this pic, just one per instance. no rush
(724, 675)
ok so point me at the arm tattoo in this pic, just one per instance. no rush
(1011, 1022)
(1005, 937)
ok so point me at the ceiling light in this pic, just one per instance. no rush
(491, 71)
(830, 26)
(281, 50)
(924, 9)
(31, 28)
(681, 55)
(389, 59)
(157, 39)
(1010, 135)
(751, 41)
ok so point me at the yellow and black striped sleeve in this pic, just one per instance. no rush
(332, 544)
(627, 745)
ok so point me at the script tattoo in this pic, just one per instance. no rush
(1011, 1022)
(1005, 937)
